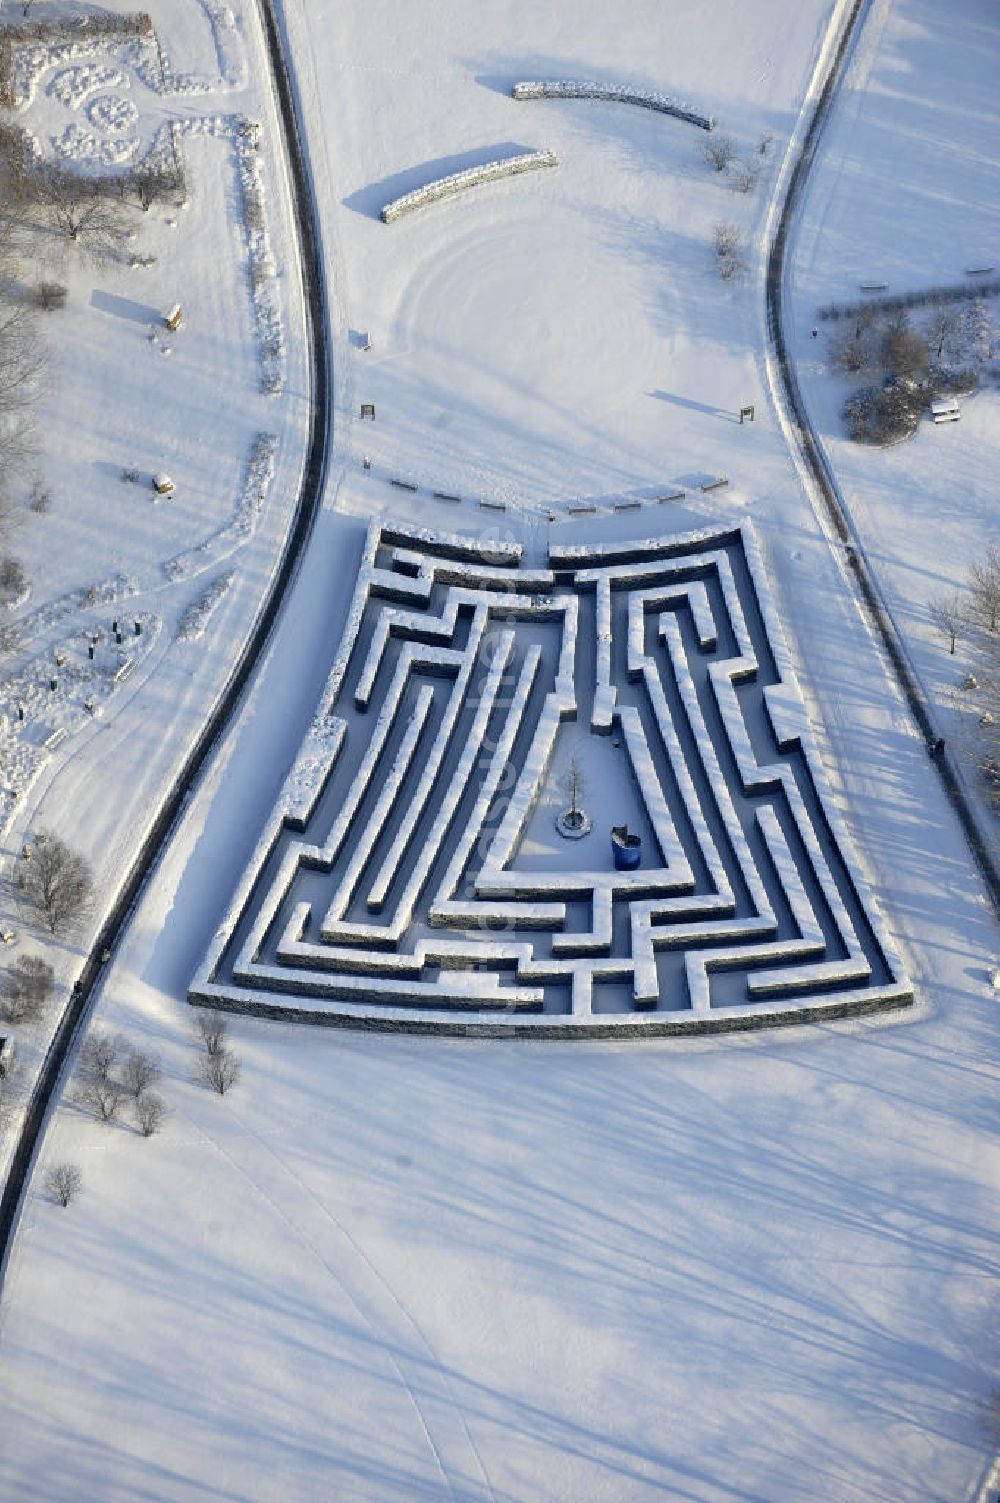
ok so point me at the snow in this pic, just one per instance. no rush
(755, 1267)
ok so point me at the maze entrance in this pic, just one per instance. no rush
(412, 877)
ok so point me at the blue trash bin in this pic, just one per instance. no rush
(626, 848)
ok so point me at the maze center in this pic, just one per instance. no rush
(413, 876)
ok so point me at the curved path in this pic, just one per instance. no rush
(788, 398)
(307, 506)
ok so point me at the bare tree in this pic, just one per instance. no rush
(948, 616)
(718, 151)
(852, 347)
(745, 176)
(140, 1073)
(50, 296)
(56, 882)
(574, 786)
(40, 497)
(103, 1097)
(30, 985)
(22, 358)
(18, 447)
(80, 209)
(729, 255)
(100, 1054)
(15, 162)
(984, 591)
(13, 579)
(946, 331)
(212, 1027)
(150, 1111)
(904, 350)
(150, 184)
(220, 1070)
(64, 1182)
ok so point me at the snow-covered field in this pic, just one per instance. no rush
(561, 334)
(757, 1269)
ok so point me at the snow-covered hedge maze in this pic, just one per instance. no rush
(412, 878)
(472, 177)
(562, 88)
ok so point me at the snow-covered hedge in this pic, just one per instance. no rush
(51, 715)
(27, 50)
(451, 544)
(262, 270)
(558, 88)
(457, 784)
(198, 614)
(457, 182)
(243, 522)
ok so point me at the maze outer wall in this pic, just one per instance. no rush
(412, 877)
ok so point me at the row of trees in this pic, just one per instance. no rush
(953, 335)
(22, 370)
(92, 213)
(972, 616)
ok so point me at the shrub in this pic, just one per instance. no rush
(150, 1111)
(718, 151)
(853, 349)
(30, 985)
(221, 1070)
(745, 177)
(883, 414)
(50, 296)
(212, 1027)
(40, 499)
(729, 257)
(13, 580)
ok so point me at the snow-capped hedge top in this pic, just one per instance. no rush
(558, 88)
(457, 182)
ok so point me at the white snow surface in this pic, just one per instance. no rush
(758, 1269)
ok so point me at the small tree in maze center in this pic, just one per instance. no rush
(574, 820)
